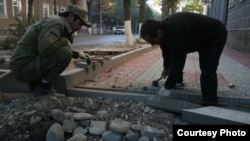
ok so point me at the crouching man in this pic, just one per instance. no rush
(43, 52)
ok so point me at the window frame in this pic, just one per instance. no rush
(4, 15)
(46, 10)
(19, 5)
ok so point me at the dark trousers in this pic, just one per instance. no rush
(47, 68)
(180, 78)
(209, 57)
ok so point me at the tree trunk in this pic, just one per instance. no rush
(127, 22)
(89, 5)
(165, 9)
(74, 2)
(142, 4)
(55, 7)
(30, 11)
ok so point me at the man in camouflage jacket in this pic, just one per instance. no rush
(43, 52)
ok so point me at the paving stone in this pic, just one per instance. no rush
(95, 64)
(215, 115)
(107, 58)
(168, 104)
(99, 59)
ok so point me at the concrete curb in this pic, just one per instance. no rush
(190, 112)
(77, 76)
(69, 79)
(169, 104)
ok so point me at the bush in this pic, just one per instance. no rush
(16, 31)
(9, 42)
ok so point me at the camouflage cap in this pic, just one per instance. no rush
(79, 12)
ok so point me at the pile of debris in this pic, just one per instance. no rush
(86, 119)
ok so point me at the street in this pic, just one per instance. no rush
(85, 40)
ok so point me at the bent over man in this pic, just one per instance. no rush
(183, 33)
(43, 52)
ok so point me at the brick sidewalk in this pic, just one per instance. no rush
(122, 77)
(136, 75)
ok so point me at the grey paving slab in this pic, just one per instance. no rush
(237, 74)
(78, 92)
(168, 104)
(215, 115)
(229, 72)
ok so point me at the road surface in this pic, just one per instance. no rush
(97, 40)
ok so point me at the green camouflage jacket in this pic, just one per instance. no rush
(43, 38)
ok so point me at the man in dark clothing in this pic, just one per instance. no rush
(44, 52)
(183, 33)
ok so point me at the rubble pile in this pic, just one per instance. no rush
(54, 118)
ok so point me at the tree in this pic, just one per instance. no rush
(165, 9)
(89, 5)
(74, 1)
(193, 6)
(30, 11)
(169, 7)
(142, 6)
(55, 9)
(127, 22)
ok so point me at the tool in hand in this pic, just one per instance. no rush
(155, 83)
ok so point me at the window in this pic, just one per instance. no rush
(45, 10)
(17, 7)
(3, 10)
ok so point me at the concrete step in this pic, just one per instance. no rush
(215, 115)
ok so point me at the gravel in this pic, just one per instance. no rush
(24, 117)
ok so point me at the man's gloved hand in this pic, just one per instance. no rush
(163, 92)
(164, 73)
(85, 56)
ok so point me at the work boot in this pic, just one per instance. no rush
(42, 89)
(32, 86)
(180, 85)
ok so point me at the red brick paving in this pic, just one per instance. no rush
(129, 71)
(126, 73)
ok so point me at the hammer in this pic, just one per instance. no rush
(155, 83)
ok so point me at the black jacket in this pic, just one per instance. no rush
(186, 32)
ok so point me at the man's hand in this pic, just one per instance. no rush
(163, 92)
(85, 56)
(69, 37)
(164, 73)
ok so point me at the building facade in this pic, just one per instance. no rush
(10, 9)
(236, 16)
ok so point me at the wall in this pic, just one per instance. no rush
(236, 16)
(238, 25)
(38, 10)
(217, 9)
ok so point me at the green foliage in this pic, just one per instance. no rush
(16, 31)
(137, 40)
(193, 6)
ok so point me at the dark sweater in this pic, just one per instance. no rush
(184, 33)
